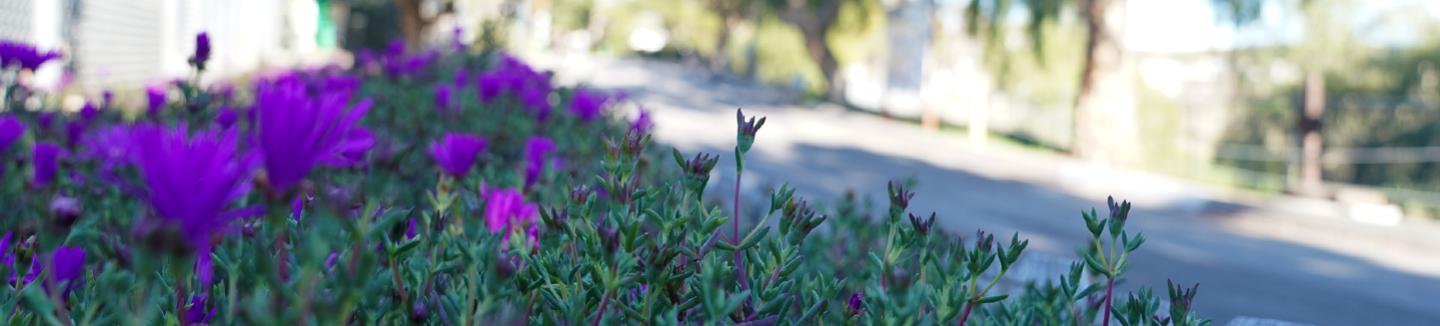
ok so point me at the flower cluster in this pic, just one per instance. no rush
(397, 62)
(514, 77)
(588, 104)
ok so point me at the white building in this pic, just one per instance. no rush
(128, 43)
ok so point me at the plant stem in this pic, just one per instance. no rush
(965, 314)
(1109, 287)
(735, 232)
(399, 284)
(604, 301)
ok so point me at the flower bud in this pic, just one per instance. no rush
(65, 211)
(580, 194)
(983, 241)
(855, 305)
(922, 225)
(746, 130)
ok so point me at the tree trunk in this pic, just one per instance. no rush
(412, 23)
(814, 23)
(1311, 182)
(1105, 129)
(721, 58)
(822, 56)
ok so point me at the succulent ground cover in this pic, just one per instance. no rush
(462, 187)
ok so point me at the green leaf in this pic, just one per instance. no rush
(754, 238)
(1095, 265)
(992, 299)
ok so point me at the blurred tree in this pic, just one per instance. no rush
(732, 13)
(1104, 124)
(415, 23)
(814, 18)
(366, 24)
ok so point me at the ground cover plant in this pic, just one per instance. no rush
(460, 187)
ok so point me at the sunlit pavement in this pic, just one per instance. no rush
(1254, 257)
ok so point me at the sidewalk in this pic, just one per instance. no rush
(1259, 256)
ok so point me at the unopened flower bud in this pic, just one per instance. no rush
(746, 130)
(922, 225)
(899, 198)
(855, 305)
(983, 241)
(65, 210)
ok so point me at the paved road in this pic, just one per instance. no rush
(1250, 258)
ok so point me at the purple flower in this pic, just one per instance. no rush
(226, 117)
(204, 270)
(395, 48)
(588, 104)
(88, 111)
(411, 232)
(507, 208)
(110, 145)
(73, 130)
(443, 95)
(191, 178)
(461, 79)
(10, 130)
(536, 150)
(489, 86)
(195, 312)
(154, 99)
(397, 64)
(513, 76)
(364, 59)
(44, 120)
(351, 150)
(67, 266)
(297, 206)
(45, 160)
(642, 124)
(537, 100)
(331, 260)
(455, 153)
(296, 129)
(6, 258)
(855, 305)
(34, 272)
(24, 55)
(202, 51)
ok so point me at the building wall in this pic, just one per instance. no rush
(130, 43)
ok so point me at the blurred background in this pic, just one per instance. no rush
(1290, 149)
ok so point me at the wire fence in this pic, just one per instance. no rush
(1374, 113)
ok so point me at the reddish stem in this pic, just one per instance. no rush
(399, 283)
(965, 314)
(735, 237)
(604, 301)
(1109, 287)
